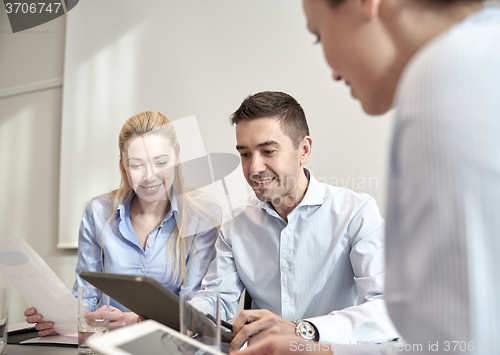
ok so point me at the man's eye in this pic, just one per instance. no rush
(161, 163)
(135, 166)
(244, 155)
(269, 152)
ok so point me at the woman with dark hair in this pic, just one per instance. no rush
(438, 63)
(152, 225)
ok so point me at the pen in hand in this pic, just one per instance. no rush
(222, 322)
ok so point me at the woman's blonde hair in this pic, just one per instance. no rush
(156, 123)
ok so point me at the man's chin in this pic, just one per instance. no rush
(261, 195)
(265, 197)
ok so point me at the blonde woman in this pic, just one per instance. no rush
(152, 225)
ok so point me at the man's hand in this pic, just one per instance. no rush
(261, 323)
(44, 328)
(284, 345)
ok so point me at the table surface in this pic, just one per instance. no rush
(13, 349)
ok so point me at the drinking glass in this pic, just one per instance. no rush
(93, 316)
(4, 318)
(204, 327)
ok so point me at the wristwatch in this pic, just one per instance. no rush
(306, 330)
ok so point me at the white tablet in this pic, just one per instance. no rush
(149, 338)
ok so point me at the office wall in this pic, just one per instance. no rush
(30, 126)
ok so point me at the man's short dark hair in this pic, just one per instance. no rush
(275, 103)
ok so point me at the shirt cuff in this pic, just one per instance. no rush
(331, 329)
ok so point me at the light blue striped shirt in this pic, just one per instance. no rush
(325, 265)
(123, 253)
(443, 227)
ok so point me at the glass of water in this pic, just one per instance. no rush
(93, 316)
(200, 317)
(4, 318)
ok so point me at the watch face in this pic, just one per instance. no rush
(307, 331)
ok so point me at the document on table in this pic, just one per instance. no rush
(53, 339)
(38, 284)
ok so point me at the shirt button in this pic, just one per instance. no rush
(287, 299)
(285, 265)
(150, 245)
(161, 225)
(286, 231)
(143, 269)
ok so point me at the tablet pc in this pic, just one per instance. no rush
(146, 297)
(149, 338)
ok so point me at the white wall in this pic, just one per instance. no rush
(30, 126)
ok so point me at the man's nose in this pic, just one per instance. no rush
(257, 165)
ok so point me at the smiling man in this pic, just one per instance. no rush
(311, 255)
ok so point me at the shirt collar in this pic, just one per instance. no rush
(314, 193)
(123, 209)
(124, 206)
(174, 205)
(313, 196)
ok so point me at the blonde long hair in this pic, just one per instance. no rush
(156, 123)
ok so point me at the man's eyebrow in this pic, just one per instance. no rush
(265, 144)
(260, 145)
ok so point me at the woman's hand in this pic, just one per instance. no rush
(44, 328)
(117, 319)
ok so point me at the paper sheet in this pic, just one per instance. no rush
(53, 339)
(38, 284)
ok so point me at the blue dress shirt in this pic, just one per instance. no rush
(123, 254)
(325, 265)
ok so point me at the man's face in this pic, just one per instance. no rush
(357, 48)
(150, 161)
(271, 163)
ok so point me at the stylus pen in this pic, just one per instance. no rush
(222, 322)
